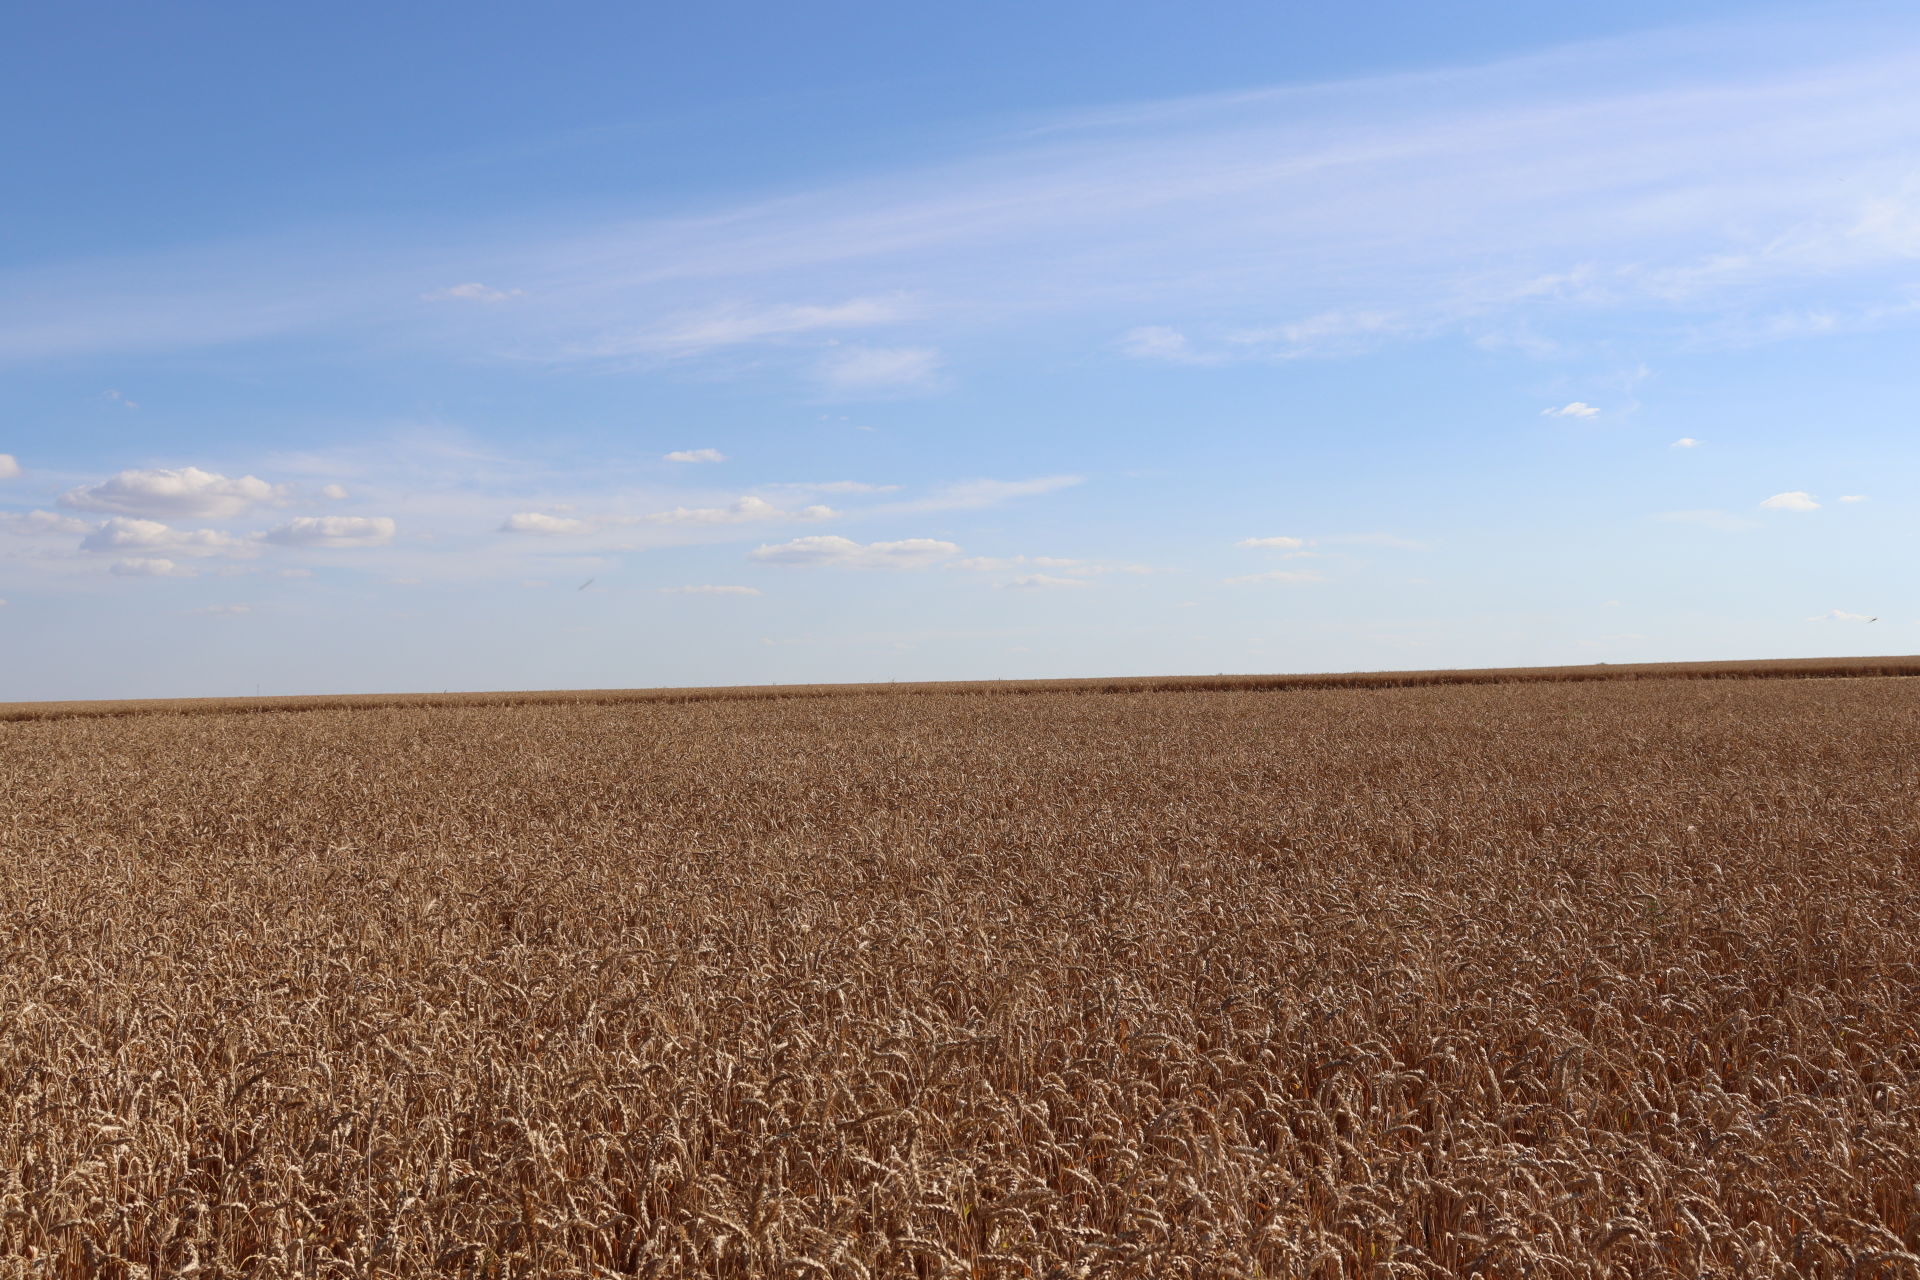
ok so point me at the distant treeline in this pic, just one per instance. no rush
(1760, 669)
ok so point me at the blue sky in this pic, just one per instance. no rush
(496, 346)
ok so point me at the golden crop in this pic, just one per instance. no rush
(1556, 979)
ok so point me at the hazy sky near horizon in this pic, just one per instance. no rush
(362, 348)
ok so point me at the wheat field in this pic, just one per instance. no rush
(1510, 978)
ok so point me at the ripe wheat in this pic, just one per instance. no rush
(1557, 979)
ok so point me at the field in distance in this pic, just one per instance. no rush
(1755, 669)
(1579, 972)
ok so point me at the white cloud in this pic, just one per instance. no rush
(696, 455)
(995, 564)
(125, 533)
(472, 291)
(740, 511)
(1043, 582)
(710, 591)
(225, 610)
(9, 466)
(148, 567)
(1685, 442)
(1301, 336)
(1158, 342)
(831, 550)
(881, 368)
(969, 495)
(1853, 497)
(733, 326)
(1674, 171)
(1792, 500)
(537, 522)
(1841, 615)
(1574, 409)
(1293, 546)
(38, 524)
(1065, 564)
(334, 491)
(334, 531)
(183, 491)
(1289, 576)
(835, 486)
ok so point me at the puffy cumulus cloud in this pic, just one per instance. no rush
(40, 524)
(1792, 500)
(739, 511)
(1853, 497)
(335, 491)
(1685, 442)
(9, 466)
(1043, 582)
(838, 552)
(182, 491)
(1276, 543)
(1841, 615)
(125, 533)
(539, 522)
(710, 591)
(881, 368)
(334, 531)
(472, 291)
(1572, 409)
(1291, 577)
(695, 455)
(148, 567)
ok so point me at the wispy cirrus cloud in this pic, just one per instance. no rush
(870, 369)
(971, 495)
(1321, 219)
(472, 291)
(734, 325)
(831, 551)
